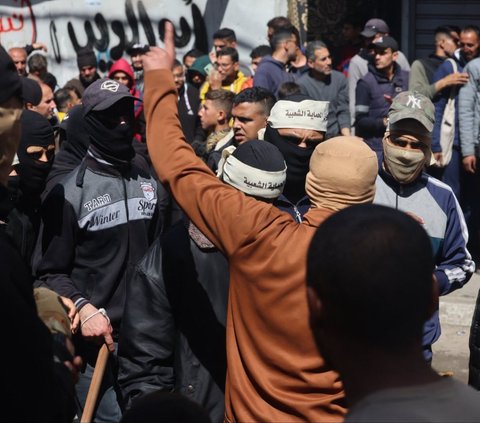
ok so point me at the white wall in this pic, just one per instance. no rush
(58, 22)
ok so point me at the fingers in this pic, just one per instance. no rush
(109, 343)
(169, 40)
(75, 322)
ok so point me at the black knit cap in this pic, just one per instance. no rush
(260, 155)
(31, 91)
(86, 57)
(10, 84)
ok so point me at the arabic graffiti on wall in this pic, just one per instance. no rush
(111, 26)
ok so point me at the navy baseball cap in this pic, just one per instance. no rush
(374, 26)
(103, 93)
(385, 42)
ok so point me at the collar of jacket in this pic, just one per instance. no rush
(380, 76)
(391, 181)
(282, 200)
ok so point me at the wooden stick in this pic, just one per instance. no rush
(94, 388)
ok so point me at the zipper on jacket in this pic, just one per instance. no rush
(297, 214)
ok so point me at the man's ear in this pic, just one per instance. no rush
(221, 116)
(310, 63)
(395, 55)
(29, 106)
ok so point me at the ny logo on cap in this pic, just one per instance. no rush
(110, 86)
(414, 102)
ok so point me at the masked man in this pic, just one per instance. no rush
(402, 184)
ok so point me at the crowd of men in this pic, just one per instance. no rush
(260, 244)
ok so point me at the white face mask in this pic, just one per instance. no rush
(404, 165)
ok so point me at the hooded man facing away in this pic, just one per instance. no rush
(275, 372)
(180, 293)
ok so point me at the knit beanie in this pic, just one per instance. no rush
(86, 57)
(256, 168)
(31, 91)
(10, 84)
(342, 173)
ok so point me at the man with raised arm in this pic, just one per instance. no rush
(275, 372)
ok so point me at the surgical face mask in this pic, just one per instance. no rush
(404, 165)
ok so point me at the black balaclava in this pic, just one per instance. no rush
(108, 137)
(36, 131)
(297, 159)
(73, 147)
(76, 138)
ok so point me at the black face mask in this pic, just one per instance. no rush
(36, 131)
(298, 161)
(111, 132)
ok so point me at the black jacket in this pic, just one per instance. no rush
(173, 328)
(97, 223)
(34, 386)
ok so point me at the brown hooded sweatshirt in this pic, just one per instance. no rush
(275, 372)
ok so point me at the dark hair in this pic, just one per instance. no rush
(288, 88)
(194, 52)
(223, 100)
(177, 63)
(225, 34)
(372, 267)
(229, 51)
(278, 22)
(312, 46)
(61, 97)
(472, 28)
(260, 51)
(256, 95)
(446, 29)
(71, 87)
(37, 63)
(282, 35)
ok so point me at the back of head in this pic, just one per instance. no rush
(256, 168)
(342, 173)
(165, 407)
(260, 51)
(76, 138)
(61, 98)
(278, 22)
(287, 89)
(37, 64)
(281, 35)
(371, 267)
(31, 91)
